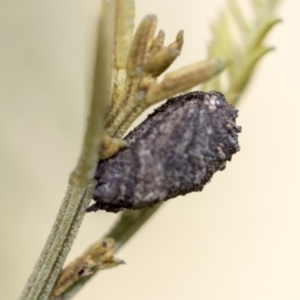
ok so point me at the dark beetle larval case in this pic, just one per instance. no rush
(176, 150)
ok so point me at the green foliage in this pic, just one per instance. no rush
(241, 43)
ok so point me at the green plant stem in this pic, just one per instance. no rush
(128, 224)
(81, 183)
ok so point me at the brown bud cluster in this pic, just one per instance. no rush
(176, 150)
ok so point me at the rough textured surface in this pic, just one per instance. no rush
(176, 150)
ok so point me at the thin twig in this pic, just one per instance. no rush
(129, 223)
(81, 183)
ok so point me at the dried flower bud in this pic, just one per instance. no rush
(176, 150)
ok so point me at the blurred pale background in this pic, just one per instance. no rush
(239, 239)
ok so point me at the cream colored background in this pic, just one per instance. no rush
(239, 239)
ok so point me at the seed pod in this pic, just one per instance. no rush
(176, 150)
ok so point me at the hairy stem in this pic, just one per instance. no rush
(81, 183)
(129, 223)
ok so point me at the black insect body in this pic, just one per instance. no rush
(176, 150)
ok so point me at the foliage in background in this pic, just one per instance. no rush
(241, 43)
(136, 63)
